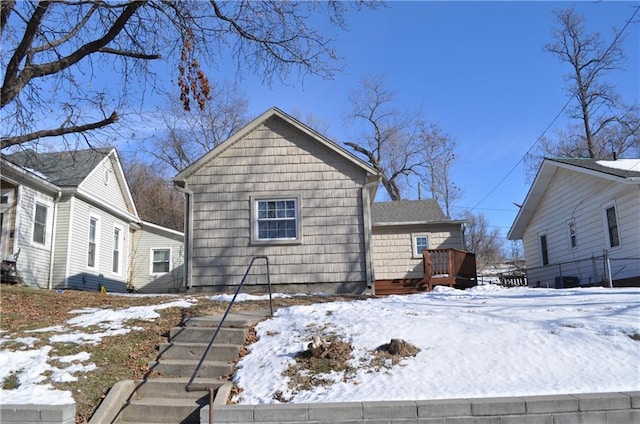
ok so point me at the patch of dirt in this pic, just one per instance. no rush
(392, 353)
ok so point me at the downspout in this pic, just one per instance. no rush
(188, 230)
(366, 212)
(53, 238)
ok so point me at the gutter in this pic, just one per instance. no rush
(366, 212)
(54, 229)
(181, 186)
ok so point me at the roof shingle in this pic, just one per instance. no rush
(65, 169)
(407, 211)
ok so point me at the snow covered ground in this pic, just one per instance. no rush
(487, 341)
(31, 366)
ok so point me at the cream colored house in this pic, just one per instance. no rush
(402, 230)
(279, 189)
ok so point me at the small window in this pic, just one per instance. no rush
(573, 240)
(4, 200)
(116, 251)
(544, 253)
(161, 259)
(612, 226)
(40, 224)
(420, 243)
(276, 221)
(93, 242)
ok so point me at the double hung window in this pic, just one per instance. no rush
(160, 261)
(93, 242)
(276, 220)
(40, 224)
(420, 243)
(612, 226)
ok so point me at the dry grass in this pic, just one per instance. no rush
(118, 357)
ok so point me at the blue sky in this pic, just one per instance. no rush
(478, 69)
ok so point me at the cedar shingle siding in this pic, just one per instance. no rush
(279, 160)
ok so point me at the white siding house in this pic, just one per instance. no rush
(71, 217)
(577, 214)
(157, 260)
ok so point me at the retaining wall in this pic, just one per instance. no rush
(598, 408)
(35, 414)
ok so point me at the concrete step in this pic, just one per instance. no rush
(163, 410)
(173, 388)
(194, 351)
(185, 368)
(204, 334)
(234, 319)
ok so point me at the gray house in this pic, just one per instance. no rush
(71, 218)
(580, 223)
(277, 188)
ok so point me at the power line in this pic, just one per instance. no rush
(615, 40)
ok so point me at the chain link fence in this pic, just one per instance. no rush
(594, 271)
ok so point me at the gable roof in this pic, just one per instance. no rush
(273, 112)
(408, 212)
(624, 171)
(64, 169)
(69, 169)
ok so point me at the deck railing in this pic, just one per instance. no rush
(453, 264)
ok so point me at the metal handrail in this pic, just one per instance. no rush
(209, 388)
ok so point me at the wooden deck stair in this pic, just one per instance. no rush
(449, 267)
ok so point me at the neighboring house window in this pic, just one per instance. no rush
(116, 250)
(276, 220)
(573, 240)
(420, 243)
(40, 224)
(544, 253)
(160, 260)
(93, 242)
(612, 226)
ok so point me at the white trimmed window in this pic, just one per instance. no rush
(573, 238)
(116, 251)
(40, 214)
(611, 220)
(92, 248)
(544, 251)
(420, 243)
(160, 261)
(276, 220)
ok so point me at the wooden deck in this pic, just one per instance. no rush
(449, 267)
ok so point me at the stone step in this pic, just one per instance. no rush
(204, 334)
(163, 410)
(194, 351)
(185, 368)
(174, 388)
(234, 320)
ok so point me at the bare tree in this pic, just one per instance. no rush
(606, 123)
(439, 156)
(389, 140)
(482, 241)
(54, 53)
(191, 134)
(154, 196)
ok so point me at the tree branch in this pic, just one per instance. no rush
(11, 141)
(14, 85)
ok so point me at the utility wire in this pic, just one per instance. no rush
(615, 40)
